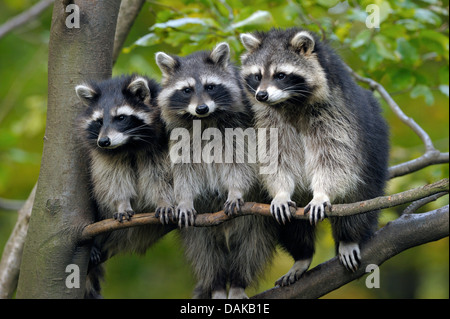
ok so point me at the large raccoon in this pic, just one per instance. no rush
(333, 140)
(203, 91)
(126, 143)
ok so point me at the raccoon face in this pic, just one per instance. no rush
(199, 85)
(117, 113)
(282, 67)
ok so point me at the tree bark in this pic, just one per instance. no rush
(403, 233)
(62, 206)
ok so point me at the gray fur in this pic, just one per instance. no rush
(235, 252)
(333, 142)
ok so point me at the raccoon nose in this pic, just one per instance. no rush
(262, 96)
(202, 109)
(104, 141)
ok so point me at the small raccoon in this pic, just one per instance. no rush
(333, 140)
(204, 89)
(126, 143)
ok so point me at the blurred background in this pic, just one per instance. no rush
(408, 54)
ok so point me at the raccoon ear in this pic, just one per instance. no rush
(250, 42)
(139, 88)
(303, 42)
(166, 63)
(85, 93)
(221, 54)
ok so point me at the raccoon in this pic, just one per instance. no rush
(333, 140)
(204, 89)
(126, 144)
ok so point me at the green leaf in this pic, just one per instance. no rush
(328, 3)
(147, 40)
(436, 37)
(411, 24)
(361, 39)
(177, 23)
(427, 16)
(257, 18)
(385, 47)
(356, 14)
(402, 79)
(385, 10)
(444, 89)
(371, 57)
(443, 75)
(407, 51)
(393, 31)
(423, 90)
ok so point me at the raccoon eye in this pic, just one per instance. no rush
(99, 121)
(187, 90)
(280, 76)
(210, 87)
(120, 117)
(258, 77)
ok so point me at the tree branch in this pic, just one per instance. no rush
(403, 233)
(24, 17)
(12, 254)
(128, 12)
(427, 159)
(430, 157)
(11, 204)
(206, 220)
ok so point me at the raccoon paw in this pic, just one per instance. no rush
(95, 256)
(119, 216)
(349, 255)
(237, 293)
(233, 206)
(165, 213)
(281, 209)
(294, 274)
(316, 209)
(185, 215)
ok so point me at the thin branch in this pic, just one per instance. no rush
(11, 204)
(24, 17)
(128, 12)
(403, 233)
(206, 220)
(422, 202)
(396, 109)
(427, 159)
(432, 155)
(12, 254)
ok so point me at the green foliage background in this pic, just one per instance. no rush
(408, 55)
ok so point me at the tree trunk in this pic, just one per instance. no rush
(62, 206)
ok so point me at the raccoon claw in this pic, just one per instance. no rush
(281, 211)
(294, 274)
(165, 214)
(95, 256)
(317, 211)
(233, 207)
(185, 216)
(349, 255)
(126, 214)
